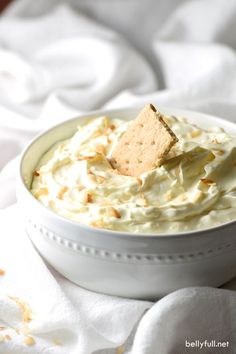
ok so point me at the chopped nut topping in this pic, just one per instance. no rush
(108, 140)
(93, 178)
(96, 178)
(29, 340)
(114, 212)
(92, 158)
(7, 337)
(36, 173)
(109, 129)
(139, 181)
(97, 223)
(219, 152)
(81, 157)
(195, 133)
(25, 309)
(89, 198)
(61, 192)
(215, 141)
(100, 149)
(207, 181)
(100, 179)
(41, 191)
(120, 350)
(96, 133)
(117, 172)
(80, 188)
(90, 172)
(2, 272)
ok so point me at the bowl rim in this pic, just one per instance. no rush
(117, 233)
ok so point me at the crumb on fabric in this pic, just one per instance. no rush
(120, 350)
(25, 309)
(29, 340)
(7, 337)
(207, 181)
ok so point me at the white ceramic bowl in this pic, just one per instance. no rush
(118, 263)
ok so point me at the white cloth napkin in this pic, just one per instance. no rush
(56, 62)
(65, 318)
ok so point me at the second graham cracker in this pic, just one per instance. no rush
(144, 145)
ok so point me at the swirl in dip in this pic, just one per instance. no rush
(195, 188)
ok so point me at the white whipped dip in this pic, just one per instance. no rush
(195, 188)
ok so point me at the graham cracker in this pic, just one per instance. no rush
(144, 145)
